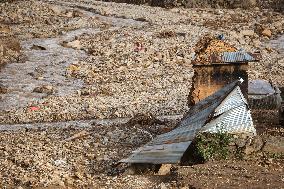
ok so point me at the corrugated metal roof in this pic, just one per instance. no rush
(235, 121)
(233, 100)
(227, 106)
(232, 115)
(159, 154)
(232, 57)
(229, 58)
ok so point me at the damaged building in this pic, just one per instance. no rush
(224, 111)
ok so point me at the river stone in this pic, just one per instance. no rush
(48, 89)
(165, 169)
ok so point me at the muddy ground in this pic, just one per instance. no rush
(88, 66)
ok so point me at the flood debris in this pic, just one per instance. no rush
(208, 46)
(224, 111)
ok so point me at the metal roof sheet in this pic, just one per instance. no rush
(232, 57)
(229, 58)
(226, 106)
(232, 116)
(233, 100)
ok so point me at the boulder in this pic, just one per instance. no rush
(255, 145)
(165, 169)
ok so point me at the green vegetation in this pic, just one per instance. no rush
(212, 146)
(276, 155)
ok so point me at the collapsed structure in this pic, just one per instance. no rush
(216, 64)
(224, 111)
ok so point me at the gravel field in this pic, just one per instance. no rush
(64, 65)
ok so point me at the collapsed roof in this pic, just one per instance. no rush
(224, 111)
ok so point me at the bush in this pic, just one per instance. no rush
(212, 146)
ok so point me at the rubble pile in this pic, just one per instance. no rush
(144, 73)
(208, 45)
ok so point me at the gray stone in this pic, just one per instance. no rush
(274, 145)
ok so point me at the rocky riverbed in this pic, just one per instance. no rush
(80, 68)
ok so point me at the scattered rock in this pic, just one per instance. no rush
(79, 175)
(241, 141)
(3, 89)
(163, 186)
(143, 119)
(5, 30)
(266, 33)
(9, 49)
(69, 14)
(255, 146)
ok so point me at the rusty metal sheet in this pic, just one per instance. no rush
(170, 147)
(166, 153)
